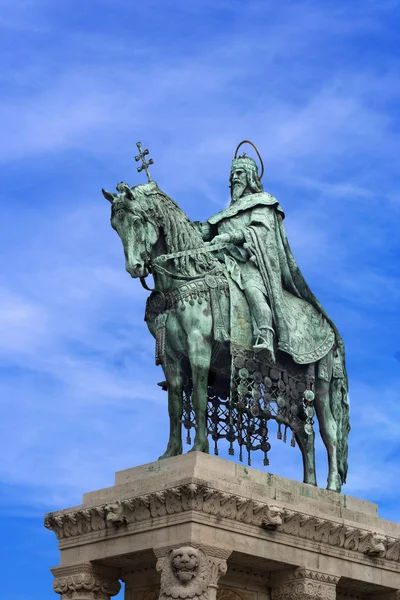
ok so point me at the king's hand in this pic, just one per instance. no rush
(223, 238)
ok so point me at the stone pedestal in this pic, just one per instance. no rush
(197, 526)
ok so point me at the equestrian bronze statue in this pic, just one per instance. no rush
(241, 338)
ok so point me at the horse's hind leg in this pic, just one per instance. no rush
(307, 447)
(200, 357)
(174, 377)
(328, 430)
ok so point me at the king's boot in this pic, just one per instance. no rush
(265, 343)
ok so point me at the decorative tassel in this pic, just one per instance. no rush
(160, 338)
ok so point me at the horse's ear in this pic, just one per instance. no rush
(108, 195)
(124, 188)
(128, 192)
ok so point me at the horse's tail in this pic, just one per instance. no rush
(340, 410)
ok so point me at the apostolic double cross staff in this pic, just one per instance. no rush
(145, 164)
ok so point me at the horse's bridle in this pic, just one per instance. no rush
(153, 265)
(144, 284)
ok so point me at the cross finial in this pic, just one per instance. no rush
(145, 164)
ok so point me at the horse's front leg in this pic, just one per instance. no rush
(174, 377)
(199, 346)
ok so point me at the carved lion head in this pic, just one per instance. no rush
(185, 563)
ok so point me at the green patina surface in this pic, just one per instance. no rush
(229, 291)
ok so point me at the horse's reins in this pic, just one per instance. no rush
(154, 266)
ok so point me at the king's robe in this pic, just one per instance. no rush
(302, 327)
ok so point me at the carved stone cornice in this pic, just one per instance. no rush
(303, 584)
(210, 551)
(85, 581)
(122, 515)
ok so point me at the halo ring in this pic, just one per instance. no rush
(258, 154)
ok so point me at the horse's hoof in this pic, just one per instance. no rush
(311, 482)
(334, 485)
(171, 452)
(202, 447)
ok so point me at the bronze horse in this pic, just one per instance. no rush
(158, 238)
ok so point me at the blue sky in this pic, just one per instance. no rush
(316, 86)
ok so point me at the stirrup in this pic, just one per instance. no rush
(262, 344)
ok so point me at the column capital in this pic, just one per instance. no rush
(190, 570)
(303, 584)
(86, 582)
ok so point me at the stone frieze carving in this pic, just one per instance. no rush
(115, 513)
(86, 581)
(392, 549)
(272, 517)
(228, 506)
(374, 545)
(304, 590)
(303, 584)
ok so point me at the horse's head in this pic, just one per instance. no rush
(138, 234)
(150, 224)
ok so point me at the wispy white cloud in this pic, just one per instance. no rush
(78, 380)
(73, 360)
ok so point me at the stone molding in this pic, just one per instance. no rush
(223, 593)
(303, 584)
(118, 516)
(85, 581)
(190, 571)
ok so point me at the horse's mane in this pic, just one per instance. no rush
(179, 232)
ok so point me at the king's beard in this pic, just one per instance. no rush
(237, 191)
